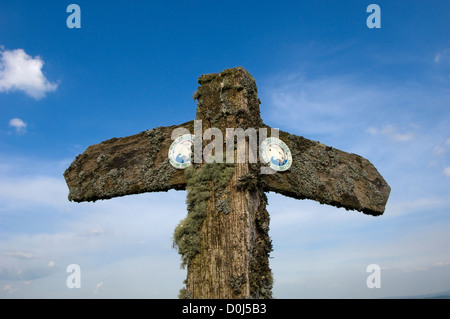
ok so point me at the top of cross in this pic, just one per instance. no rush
(139, 163)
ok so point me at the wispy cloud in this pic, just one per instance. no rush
(98, 286)
(318, 106)
(441, 149)
(8, 289)
(19, 125)
(36, 190)
(24, 272)
(21, 72)
(447, 171)
(417, 205)
(442, 56)
(19, 254)
(92, 233)
(391, 132)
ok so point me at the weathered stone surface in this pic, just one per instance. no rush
(124, 166)
(330, 176)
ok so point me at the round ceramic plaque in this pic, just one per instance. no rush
(276, 153)
(180, 151)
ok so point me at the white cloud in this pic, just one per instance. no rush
(318, 106)
(442, 148)
(92, 233)
(8, 289)
(442, 56)
(417, 205)
(437, 57)
(19, 125)
(447, 171)
(19, 254)
(438, 150)
(32, 191)
(391, 132)
(21, 72)
(372, 130)
(97, 287)
(441, 263)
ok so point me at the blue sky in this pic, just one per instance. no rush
(321, 73)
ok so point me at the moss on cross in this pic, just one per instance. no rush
(202, 183)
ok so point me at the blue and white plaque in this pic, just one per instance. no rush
(180, 151)
(275, 152)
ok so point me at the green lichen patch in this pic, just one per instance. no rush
(223, 206)
(155, 138)
(237, 282)
(201, 184)
(260, 276)
(184, 294)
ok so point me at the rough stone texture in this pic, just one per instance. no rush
(231, 225)
(123, 166)
(330, 176)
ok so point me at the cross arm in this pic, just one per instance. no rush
(124, 166)
(330, 176)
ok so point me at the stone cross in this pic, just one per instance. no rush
(224, 240)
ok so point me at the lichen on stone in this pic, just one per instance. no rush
(260, 277)
(155, 138)
(157, 177)
(99, 186)
(196, 95)
(184, 294)
(103, 160)
(223, 206)
(236, 283)
(201, 183)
